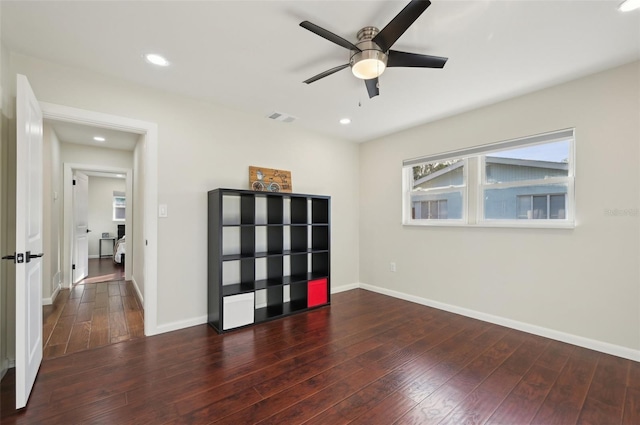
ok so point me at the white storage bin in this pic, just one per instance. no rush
(238, 310)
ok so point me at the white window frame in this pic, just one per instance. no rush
(407, 203)
(115, 207)
(475, 184)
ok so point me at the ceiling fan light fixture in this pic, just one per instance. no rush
(368, 64)
(629, 5)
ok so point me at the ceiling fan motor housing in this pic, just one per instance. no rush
(370, 51)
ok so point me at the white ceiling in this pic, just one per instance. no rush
(253, 56)
(84, 134)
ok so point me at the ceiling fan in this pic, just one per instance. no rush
(370, 55)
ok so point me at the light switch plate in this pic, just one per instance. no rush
(162, 210)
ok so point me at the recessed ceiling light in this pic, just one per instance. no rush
(120, 175)
(629, 5)
(99, 139)
(156, 59)
(345, 121)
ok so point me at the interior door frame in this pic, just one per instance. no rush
(149, 132)
(67, 182)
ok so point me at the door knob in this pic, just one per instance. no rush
(29, 256)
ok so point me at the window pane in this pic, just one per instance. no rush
(447, 205)
(438, 174)
(119, 213)
(119, 201)
(524, 206)
(540, 207)
(557, 208)
(528, 163)
(520, 202)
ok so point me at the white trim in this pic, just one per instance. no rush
(94, 256)
(137, 288)
(604, 347)
(182, 324)
(149, 130)
(338, 289)
(49, 301)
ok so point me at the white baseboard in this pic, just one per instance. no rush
(604, 347)
(181, 324)
(49, 301)
(92, 256)
(137, 288)
(337, 289)
(174, 326)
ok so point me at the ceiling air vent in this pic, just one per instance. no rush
(279, 116)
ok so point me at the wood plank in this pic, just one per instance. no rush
(117, 326)
(115, 305)
(89, 294)
(79, 338)
(632, 407)
(85, 312)
(60, 334)
(523, 402)
(114, 289)
(605, 399)
(566, 398)
(101, 300)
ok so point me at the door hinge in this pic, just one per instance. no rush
(74, 182)
(73, 267)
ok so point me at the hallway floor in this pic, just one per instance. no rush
(99, 310)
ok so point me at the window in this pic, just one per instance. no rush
(438, 190)
(524, 182)
(119, 206)
(431, 209)
(541, 207)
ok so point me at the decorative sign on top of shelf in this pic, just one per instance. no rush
(269, 180)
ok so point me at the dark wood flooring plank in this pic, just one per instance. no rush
(89, 294)
(454, 391)
(605, 399)
(632, 407)
(79, 338)
(523, 402)
(85, 312)
(567, 396)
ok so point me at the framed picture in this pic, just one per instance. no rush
(263, 179)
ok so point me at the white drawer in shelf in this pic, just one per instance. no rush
(238, 310)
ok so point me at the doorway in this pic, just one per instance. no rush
(146, 272)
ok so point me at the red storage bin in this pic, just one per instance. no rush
(316, 292)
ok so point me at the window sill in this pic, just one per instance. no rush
(539, 224)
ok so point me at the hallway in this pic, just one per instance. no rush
(100, 310)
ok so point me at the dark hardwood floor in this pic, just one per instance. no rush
(366, 359)
(99, 310)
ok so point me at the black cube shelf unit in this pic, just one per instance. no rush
(268, 256)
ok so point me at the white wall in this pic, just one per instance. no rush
(52, 220)
(136, 235)
(101, 212)
(203, 146)
(3, 228)
(582, 282)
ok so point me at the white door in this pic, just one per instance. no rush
(28, 240)
(80, 226)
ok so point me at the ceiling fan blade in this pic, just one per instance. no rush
(326, 73)
(372, 87)
(398, 25)
(415, 60)
(329, 36)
